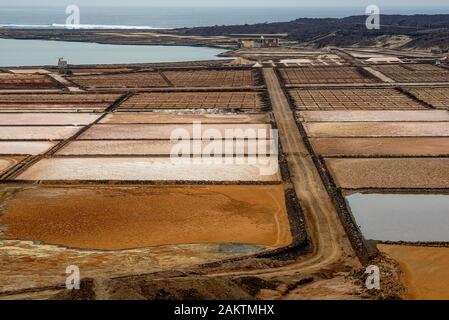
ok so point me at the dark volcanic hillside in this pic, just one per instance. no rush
(423, 31)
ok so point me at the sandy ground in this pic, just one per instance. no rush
(37, 133)
(25, 147)
(163, 147)
(47, 119)
(390, 173)
(377, 129)
(425, 270)
(165, 131)
(380, 146)
(117, 218)
(8, 162)
(177, 117)
(153, 169)
(373, 116)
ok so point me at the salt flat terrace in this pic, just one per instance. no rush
(8, 162)
(50, 119)
(324, 75)
(438, 98)
(121, 80)
(390, 173)
(352, 99)
(374, 116)
(390, 146)
(377, 129)
(184, 118)
(59, 102)
(368, 133)
(25, 147)
(214, 78)
(164, 148)
(195, 100)
(386, 150)
(124, 144)
(94, 71)
(414, 73)
(48, 133)
(26, 81)
(231, 78)
(165, 131)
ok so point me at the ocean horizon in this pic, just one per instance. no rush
(178, 17)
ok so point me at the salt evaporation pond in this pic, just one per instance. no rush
(402, 217)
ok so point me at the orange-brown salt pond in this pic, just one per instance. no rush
(125, 217)
(425, 270)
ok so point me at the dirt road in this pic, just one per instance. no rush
(330, 243)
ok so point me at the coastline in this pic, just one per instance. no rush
(138, 37)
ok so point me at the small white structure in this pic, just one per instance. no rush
(63, 66)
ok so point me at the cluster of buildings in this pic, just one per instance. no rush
(249, 41)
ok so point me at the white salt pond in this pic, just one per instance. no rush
(37, 132)
(25, 147)
(153, 169)
(47, 119)
(165, 147)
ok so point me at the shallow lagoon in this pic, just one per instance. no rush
(42, 52)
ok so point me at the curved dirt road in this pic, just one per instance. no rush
(329, 240)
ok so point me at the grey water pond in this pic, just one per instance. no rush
(42, 52)
(401, 217)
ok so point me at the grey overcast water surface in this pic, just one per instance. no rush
(402, 217)
(41, 52)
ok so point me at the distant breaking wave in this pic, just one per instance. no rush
(78, 26)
